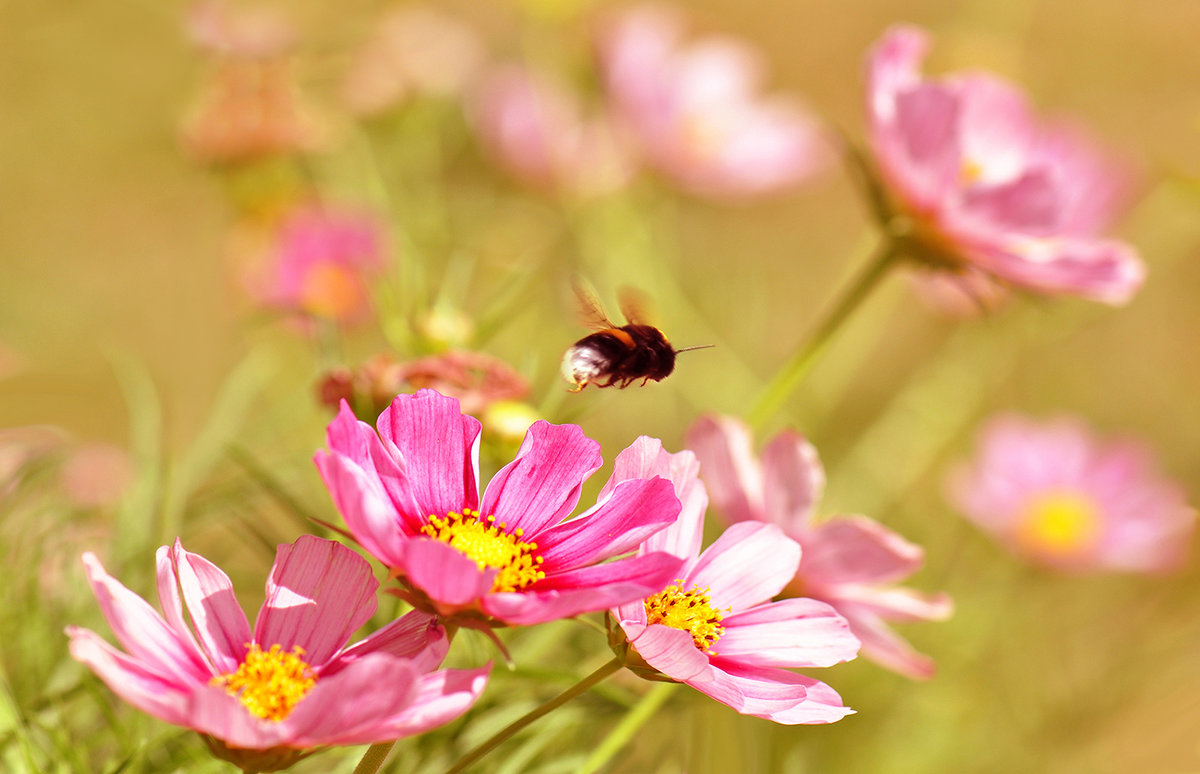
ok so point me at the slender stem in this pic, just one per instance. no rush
(794, 372)
(633, 720)
(374, 757)
(511, 729)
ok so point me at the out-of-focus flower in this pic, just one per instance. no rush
(962, 294)
(714, 628)
(849, 562)
(250, 32)
(987, 185)
(318, 263)
(21, 447)
(476, 379)
(534, 129)
(414, 50)
(410, 496)
(1056, 494)
(96, 475)
(264, 698)
(696, 112)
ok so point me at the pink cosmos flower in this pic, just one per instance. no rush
(988, 185)
(849, 562)
(696, 112)
(263, 697)
(535, 130)
(715, 628)
(1059, 496)
(410, 495)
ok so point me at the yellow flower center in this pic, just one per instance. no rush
(689, 610)
(270, 684)
(489, 545)
(970, 171)
(1059, 523)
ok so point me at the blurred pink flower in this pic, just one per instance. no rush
(715, 628)
(849, 562)
(535, 130)
(263, 697)
(238, 31)
(413, 50)
(961, 294)
(96, 474)
(696, 112)
(988, 185)
(410, 496)
(1056, 494)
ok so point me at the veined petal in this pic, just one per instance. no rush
(542, 485)
(415, 635)
(789, 633)
(318, 594)
(674, 653)
(370, 516)
(781, 696)
(897, 604)
(748, 564)
(172, 603)
(636, 509)
(449, 577)
(355, 705)
(163, 695)
(646, 458)
(793, 481)
(856, 549)
(888, 649)
(441, 697)
(220, 622)
(731, 473)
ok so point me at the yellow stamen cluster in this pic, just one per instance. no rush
(1059, 522)
(689, 610)
(270, 683)
(487, 542)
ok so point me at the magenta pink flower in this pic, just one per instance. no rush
(264, 696)
(849, 562)
(536, 131)
(988, 186)
(1054, 493)
(696, 112)
(410, 496)
(714, 628)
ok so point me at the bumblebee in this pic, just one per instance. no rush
(618, 355)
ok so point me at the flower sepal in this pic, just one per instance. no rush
(272, 759)
(618, 641)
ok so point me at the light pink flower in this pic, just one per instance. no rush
(1056, 494)
(410, 495)
(310, 690)
(849, 562)
(96, 475)
(988, 185)
(715, 628)
(535, 130)
(696, 112)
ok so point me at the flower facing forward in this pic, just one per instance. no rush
(849, 562)
(696, 113)
(263, 697)
(990, 188)
(1056, 494)
(714, 628)
(410, 495)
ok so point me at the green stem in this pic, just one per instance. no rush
(512, 728)
(374, 757)
(794, 372)
(620, 736)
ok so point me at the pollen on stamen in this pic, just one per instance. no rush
(691, 610)
(487, 543)
(270, 684)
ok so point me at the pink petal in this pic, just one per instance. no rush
(793, 480)
(318, 594)
(894, 64)
(541, 486)
(727, 464)
(449, 577)
(1031, 204)
(748, 564)
(162, 695)
(790, 633)
(171, 602)
(212, 710)
(926, 131)
(998, 129)
(636, 510)
(141, 630)
(371, 518)
(355, 705)
(441, 697)
(646, 458)
(894, 604)
(415, 635)
(855, 549)
(674, 653)
(888, 649)
(778, 695)
(1099, 269)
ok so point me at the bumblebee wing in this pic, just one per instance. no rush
(635, 305)
(589, 309)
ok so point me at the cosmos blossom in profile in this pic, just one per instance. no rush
(988, 186)
(1055, 493)
(850, 562)
(715, 627)
(409, 492)
(264, 697)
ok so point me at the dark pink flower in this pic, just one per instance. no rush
(1055, 493)
(989, 186)
(715, 627)
(410, 495)
(265, 695)
(849, 562)
(696, 112)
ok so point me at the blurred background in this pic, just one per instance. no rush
(130, 335)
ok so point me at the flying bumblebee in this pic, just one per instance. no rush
(618, 355)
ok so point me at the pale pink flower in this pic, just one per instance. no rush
(715, 627)
(850, 562)
(535, 129)
(250, 32)
(990, 186)
(696, 110)
(1054, 493)
(410, 496)
(264, 696)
